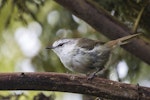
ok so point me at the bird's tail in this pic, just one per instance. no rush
(120, 41)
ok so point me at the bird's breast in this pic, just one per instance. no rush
(84, 61)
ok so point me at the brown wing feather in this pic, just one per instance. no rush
(88, 43)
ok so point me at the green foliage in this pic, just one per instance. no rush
(128, 10)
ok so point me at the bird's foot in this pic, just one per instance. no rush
(91, 76)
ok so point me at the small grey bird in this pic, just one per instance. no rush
(85, 55)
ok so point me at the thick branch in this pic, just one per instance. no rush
(99, 19)
(73, 83)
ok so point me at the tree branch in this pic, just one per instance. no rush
(73, 83)
(103, 22)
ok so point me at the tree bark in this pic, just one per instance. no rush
(103, 22)
(73, 83)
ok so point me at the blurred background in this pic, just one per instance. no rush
(27, 27)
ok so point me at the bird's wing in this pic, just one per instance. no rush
(88, 43)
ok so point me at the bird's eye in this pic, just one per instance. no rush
(60, 44)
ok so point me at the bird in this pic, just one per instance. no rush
(83, 55)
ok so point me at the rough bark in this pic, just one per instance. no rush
(73, 83)
(103, 22)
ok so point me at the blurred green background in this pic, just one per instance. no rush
(27, 27)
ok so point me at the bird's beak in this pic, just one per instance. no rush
(49, 47)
